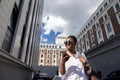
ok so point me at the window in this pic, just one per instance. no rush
(41, 61)
(99, 34)
(105, 5)
(48, 61)
(48, 51)
(117, 6)
(94, 18)
(97, 14)
(83, 46)
(54, 51)
(88, 24)
(84, 29)
(7, 41)
(109, 29)
(91, 31)
(92, 39)
(41, 46)
(91, 21)
(105, 17)
(6, 45)
(87, 43)
(55, 46)
(97, 24)
(54, 55)
(48, 55)
(101, 10)
(53, 61)
(41, 55)
(59, 46)
(52, 46)
(118, 17)
(42, 51)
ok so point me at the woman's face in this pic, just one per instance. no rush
(70, 43)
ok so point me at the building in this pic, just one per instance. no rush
(49, 54)
(48, 59)
(60, 40)
(20, 25)
(99, 37)
(101, 26)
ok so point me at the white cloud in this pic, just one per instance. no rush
(44, 40)
(57, 24)
(67, 16)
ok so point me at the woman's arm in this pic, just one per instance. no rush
(62, 68)
(65, 57)
(84, 61)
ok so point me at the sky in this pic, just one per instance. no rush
(65, 17)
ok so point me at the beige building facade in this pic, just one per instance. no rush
(49, 54)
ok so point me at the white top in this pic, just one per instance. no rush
(74, 68)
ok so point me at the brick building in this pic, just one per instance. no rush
(99, 37)
(101, 26)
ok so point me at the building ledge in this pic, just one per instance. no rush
(9, 59)
(105, 46)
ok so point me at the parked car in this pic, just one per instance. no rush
(114, 75)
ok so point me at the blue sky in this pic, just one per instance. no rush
(50, 38)
(51, 28)
(65, 17)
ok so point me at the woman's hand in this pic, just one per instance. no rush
(65, 56)
(85, 63)
(83, 60)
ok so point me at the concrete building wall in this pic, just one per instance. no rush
(19, 61)
(105, 57)
(12, 69)
(19, 29)
(6, 7)
(27, 33)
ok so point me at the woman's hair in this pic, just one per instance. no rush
(73, 37)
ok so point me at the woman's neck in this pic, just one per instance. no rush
(72, 51)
